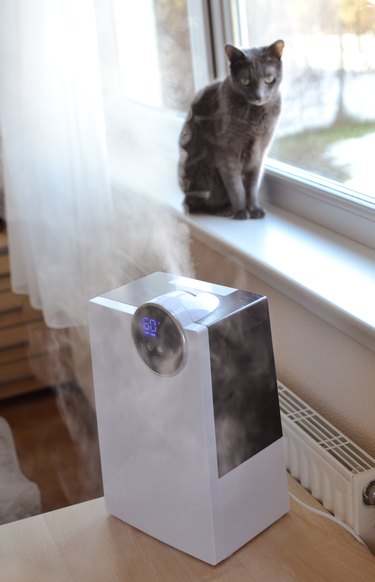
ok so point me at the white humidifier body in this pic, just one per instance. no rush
(188, 414)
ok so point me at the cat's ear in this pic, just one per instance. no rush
(276, 49)
(234, 54)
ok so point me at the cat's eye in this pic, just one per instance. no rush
(269, 79)
(245, 81)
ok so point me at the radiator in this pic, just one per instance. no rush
(332, 467)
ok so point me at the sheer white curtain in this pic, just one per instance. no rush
(58, 199)
(60, 209)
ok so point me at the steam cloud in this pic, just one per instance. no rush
(83, 249)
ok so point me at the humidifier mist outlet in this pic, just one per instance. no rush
(188, 415)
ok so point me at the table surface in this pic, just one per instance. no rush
(84, 543)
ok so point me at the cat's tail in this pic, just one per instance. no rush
(196, 201)
(202, 202)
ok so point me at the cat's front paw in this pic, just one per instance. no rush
(241, 214)
(256, 212)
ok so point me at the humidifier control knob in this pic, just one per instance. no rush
(159, 339)
(158, 328)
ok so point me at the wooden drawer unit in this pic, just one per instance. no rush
(16, 317)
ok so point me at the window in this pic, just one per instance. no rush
(155, 54)
(161, 51)
(320, 162)
(327, 129)
(328, 121)
(161, 75)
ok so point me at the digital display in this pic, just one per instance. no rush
(159, 339)
(150, 326)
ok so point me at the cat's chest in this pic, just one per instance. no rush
(246, 127)
(246, 137)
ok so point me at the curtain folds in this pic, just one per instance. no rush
(67, 243)
(58, 200)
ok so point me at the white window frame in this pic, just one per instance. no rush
(201, 46)
(127, 119)
(314, 198)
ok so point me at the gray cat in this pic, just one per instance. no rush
(226, 134)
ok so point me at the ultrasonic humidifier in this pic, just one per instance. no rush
(188, 414)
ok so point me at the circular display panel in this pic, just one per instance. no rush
(159, 339)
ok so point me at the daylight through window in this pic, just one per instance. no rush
(328, 119)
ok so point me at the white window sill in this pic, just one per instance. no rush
(330, 275)
(327, 273)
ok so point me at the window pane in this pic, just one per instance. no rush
(154, 52)
(327, 124)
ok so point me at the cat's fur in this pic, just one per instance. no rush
(227, 132)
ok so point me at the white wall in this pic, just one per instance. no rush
(328, 369)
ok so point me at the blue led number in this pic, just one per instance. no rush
(150, 326)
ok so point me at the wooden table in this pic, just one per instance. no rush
(83, 542)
